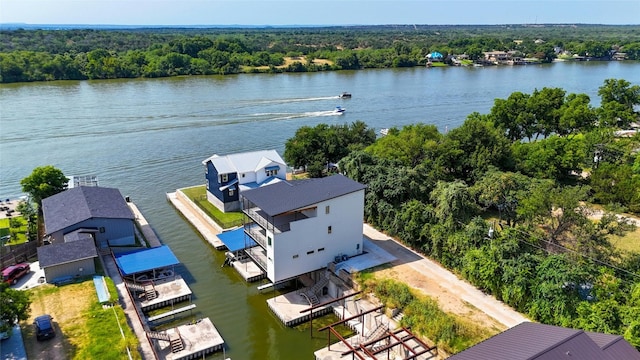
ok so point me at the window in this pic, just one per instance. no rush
(102, 229)
(269, 240)
(326, 209)
(231, 191)
(272, 172)
(224, 178)
(243, 175)
(310, 252)
(329, 229)
(321, 249)
(357, 246)
(295, 256)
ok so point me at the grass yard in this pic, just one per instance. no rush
(84, 329)
(198, 194)
(18, 234)
(629, 242)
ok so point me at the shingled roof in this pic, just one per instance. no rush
(62, 253)
(534, 341)
(82, 203)
(285, 196)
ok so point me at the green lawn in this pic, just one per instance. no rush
(18, 234)
(629, 242)
(198, 194)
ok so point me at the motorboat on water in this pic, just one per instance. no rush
(384, 131)
(345, 95)
(339, 110)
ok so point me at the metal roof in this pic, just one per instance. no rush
(244, 162)
(285, 196)
(145, 260)
(75, 205)
(62, 253)
(534, 341)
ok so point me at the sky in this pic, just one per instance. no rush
(319, 12)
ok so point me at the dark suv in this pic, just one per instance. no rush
(44, 327)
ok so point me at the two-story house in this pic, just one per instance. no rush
(228, 175)
(300, 226)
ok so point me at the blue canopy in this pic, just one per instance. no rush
(234, 240)
(134, 262)
(435, 54)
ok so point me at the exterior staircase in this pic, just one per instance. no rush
(158, 335)
(177, 344)
(312, 293)
(150, 292)
(377, 332)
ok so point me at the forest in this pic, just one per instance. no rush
(524, 202)
(78, 54)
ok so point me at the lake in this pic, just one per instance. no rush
(148, 137)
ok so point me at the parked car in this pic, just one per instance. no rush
(13, 273)
(44, 327)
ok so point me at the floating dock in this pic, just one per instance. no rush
(198, 340)
(173, 313)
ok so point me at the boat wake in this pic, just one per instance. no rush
(294, 100)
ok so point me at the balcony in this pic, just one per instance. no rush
(257, 233)
(258, 255)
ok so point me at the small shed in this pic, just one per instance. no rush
(62, 262)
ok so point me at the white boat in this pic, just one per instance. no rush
(339, 110)
(384, 131)
(345, 95)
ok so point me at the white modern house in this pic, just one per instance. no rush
(228, 175)
(301, 226)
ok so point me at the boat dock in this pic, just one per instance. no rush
(191, 341)
(168, 293)
(289, 308)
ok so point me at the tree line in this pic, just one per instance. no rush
(506, 200)
(80, 54)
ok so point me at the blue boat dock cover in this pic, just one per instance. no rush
(146, 259)
(234, 240)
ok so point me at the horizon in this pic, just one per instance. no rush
(316, 13)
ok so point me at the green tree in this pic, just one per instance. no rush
(620, 91)
(453, 203)
(43, 182)
(14, 307)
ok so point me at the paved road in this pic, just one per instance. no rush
(445, 280)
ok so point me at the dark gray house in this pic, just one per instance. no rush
(98, 211)
(65, 261)
(533, 341)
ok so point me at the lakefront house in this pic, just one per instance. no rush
(229, 175)
(300, 226)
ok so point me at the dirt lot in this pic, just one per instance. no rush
(453, 294)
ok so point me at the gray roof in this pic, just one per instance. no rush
(286, 196)
(56, 254)
(533, 341)
(75, 205)
(244, 162)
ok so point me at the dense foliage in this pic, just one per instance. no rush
(507, 202)
(14, 307)
(40, 55)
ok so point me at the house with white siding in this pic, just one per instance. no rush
(228, 175)
(301, 226)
